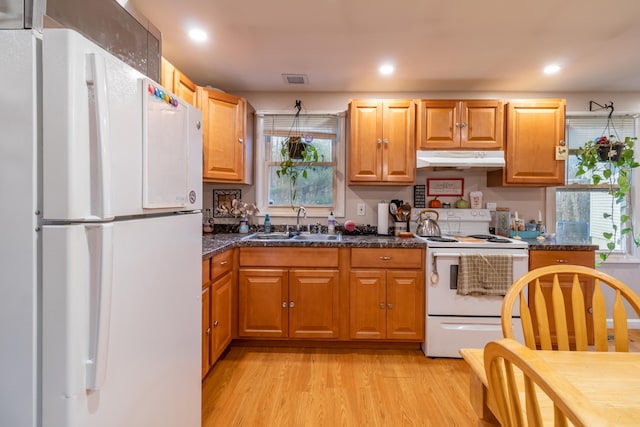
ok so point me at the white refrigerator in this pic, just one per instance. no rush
(100, 242)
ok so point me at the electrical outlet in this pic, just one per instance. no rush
(361, 209)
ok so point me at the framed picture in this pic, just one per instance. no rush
(222, 200)
(445, 186)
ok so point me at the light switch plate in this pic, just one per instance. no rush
(361, 209)
(562, 152)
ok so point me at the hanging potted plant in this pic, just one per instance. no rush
(298, 154)
(610, 163)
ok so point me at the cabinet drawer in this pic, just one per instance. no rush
(221, 264)
(386, 258)
(289, 257)
(206, 273)
(544, 258)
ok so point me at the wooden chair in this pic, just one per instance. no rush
(554, 314)
(502, 361)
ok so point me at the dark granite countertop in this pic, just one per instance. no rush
(213, 244)
(553, 245)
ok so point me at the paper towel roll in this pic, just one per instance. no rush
(383, 218)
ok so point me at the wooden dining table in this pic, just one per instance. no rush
(611, 381)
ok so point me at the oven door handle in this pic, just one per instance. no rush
(454, 255)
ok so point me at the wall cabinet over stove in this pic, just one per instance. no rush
(386, 291)
(446, 124)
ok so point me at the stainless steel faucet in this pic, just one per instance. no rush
(304, 214)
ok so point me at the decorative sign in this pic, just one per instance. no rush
(418, 196)
(222, 200)
(445, 186)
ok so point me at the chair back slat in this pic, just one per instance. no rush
(579, 315)
(563, 307)
(600, 334)
(542, 318)
(527, 325)
(620, 329)
(534, 416)
(559, 315)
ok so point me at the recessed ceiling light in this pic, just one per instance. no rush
(386, 69)
(551, 69)
(198, 35)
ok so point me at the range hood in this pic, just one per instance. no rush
(489, 159)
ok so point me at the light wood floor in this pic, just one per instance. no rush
(258, 386)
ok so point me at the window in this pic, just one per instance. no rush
(579, 205)
(323, 189)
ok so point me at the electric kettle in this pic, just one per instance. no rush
(428, 227)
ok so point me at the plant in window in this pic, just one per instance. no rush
(298, 155)
(610, 161)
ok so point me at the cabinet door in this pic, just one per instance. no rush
(438, 124)
(482, 124)
(367, 304)
(365, 141)
(206, 330)
(223, 142)
(534, 129)
(313, 304)
(405, 305)
(263, 302)
(398, 142)
(539, 259)
(221, 318)
(177, 82)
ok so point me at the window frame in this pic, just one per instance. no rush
(631, 253)
(261, 169)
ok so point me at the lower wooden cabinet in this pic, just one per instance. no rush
(281, 303)
(386, 294)
(544, 258)
(217, 307)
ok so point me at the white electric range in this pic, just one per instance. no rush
(457, 321)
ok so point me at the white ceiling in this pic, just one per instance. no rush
(436, 45)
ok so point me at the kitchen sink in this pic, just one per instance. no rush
(268, 236)
(318, 237)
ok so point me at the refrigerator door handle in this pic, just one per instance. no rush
(97, 77)
(100, 240)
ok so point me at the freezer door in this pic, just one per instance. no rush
(111, 148)
(121, 323)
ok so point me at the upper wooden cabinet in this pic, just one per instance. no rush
(535, 128)
(453, 124)
(381, 137)
(178, 83)
(227, 137)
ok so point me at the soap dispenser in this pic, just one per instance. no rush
(267, 223)
(331, 223)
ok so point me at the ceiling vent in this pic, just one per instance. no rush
(295, 79)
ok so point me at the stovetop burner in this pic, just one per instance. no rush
(439, 239)
(490, 238)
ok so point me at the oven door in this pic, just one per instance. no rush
(442, 270)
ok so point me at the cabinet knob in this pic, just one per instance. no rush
(208, 331)
(386, 140)
(240, 140)
(379, 141)
(385, 258)
(457, 124)
(292, 304)
(381, 306)
(389, 306)
(215, 324)
(225, 262)
(284, 304)
(562, 261)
